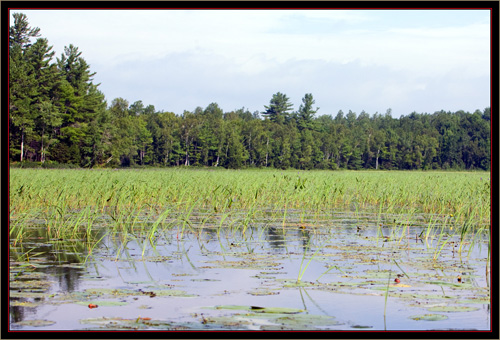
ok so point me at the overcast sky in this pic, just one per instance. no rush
(371, 60)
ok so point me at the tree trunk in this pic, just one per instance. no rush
(249, 148)
(376, 162)
(42, 156)
(267, 149)
(22, 146)
(186, 163)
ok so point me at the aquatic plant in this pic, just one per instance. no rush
(66, 201)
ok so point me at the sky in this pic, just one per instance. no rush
(360, 60)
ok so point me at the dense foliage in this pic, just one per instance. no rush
(57, 115)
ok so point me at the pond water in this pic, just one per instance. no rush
(207, 278)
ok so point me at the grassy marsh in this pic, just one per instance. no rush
(125, 194)
(317, 232)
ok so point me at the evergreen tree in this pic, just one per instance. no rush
(306, 112)
(80, 103)
(22, 89)
(278, 109)
(22, 86)
(20, 33)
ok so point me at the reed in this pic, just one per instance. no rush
(66, 201)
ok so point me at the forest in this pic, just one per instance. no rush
(59, 117)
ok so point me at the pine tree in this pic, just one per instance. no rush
(22, 86)
(306, 112)
(20, 33)
(278, 110)
(80, 103)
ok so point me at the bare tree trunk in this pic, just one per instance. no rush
(42, 156)
(267, 149)
(249, 148)
(186, 163)
(22, 146)
(376, 162)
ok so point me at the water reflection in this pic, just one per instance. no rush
(207, 261)
(275, 237)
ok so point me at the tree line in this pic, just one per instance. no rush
(58, 115)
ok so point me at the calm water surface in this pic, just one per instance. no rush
(345, 272)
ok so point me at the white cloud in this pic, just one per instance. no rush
(183, 81)
(371, 60)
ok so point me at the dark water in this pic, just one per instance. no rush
(177, 281)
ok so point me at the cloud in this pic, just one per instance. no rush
(358, 60)
(183, 81)
(114, 36)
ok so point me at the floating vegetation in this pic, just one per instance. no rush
(101, 303)
(34, 323)
(429, 317)
(258, 309)
(452, 309)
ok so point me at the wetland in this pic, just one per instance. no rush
(190, 250)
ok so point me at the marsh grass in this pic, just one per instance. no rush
(66, 202)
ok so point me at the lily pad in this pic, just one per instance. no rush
(257, 309)
(110, 291)
(103, 303)
(202, 280)
(274, 321)
(227, 321)
(232, 307)
(34, 295)
(429, 317)
(452, 309)
(263, 292)
(172, 292)
(481, 301)
(28, 274)
(25, 304)
(279, 310)
(35, 323)
(100, 292)
(442, 283)
(292, 283)
(298, 321)
(30, 284)
(116, 323)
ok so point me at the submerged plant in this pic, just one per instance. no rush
(303, 268)
(387, 292)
